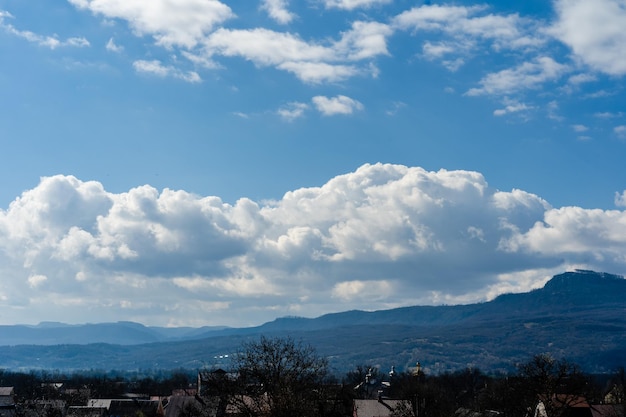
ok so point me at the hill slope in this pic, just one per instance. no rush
(579, 315)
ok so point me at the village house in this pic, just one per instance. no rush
(379, 408)
(7, 402)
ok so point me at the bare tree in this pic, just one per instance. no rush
(279, 378)
(558, 384)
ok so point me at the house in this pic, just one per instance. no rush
(133, 408)
(563, 405)
(607, 410)
(208, 381)
(119, 408)
(379, 408)
(37, 408)
(7, 402)
(75, 411)
(184, 406)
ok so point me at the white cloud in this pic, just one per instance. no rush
(319, 72)
(511, 106)
(620, 199)
(200, 60)
(169, 255)
(277, 10)
(594, 31)
(353, 4)
(155, 67)
(265, 47)
(365, 40)
(330, 106)
(51, 42)
(580, 235)
(582, 78)
(437, 50)
(525, 76)
(35, 281)
(111, 46)
(309, 61)
(470, 24)
(620, 131)
(362, 291)
(181, 23)
(608, 115)
(293, 111)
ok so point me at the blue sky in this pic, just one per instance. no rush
(228, 162)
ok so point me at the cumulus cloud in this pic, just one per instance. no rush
(311, 62)
(585, 236)
(194, 25)
(364, 40)
(181, 23)
(285, 51)
(620, 199)
(330, 106)
(382, 236)
(594, 31)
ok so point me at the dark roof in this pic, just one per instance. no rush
(129, 408)
(377, 408)
(86, 412)
(607, 410)
(178, 404)
(6, 391)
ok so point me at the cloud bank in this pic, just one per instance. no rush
(379, 237)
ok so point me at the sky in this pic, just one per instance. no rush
(214, 162)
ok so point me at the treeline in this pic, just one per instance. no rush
(77, 387)
(281, 377)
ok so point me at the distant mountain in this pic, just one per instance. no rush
(578, 315)
(120, 333)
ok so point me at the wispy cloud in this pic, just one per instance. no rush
(155, 67)
(293, 111)
(353, 4)
(468, 25)
(51, 42)
(527, 75)
(512, 106)
(113, 47)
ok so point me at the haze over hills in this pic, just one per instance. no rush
(578, 315)
(121, 333)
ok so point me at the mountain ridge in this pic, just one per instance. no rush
(579, 314)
